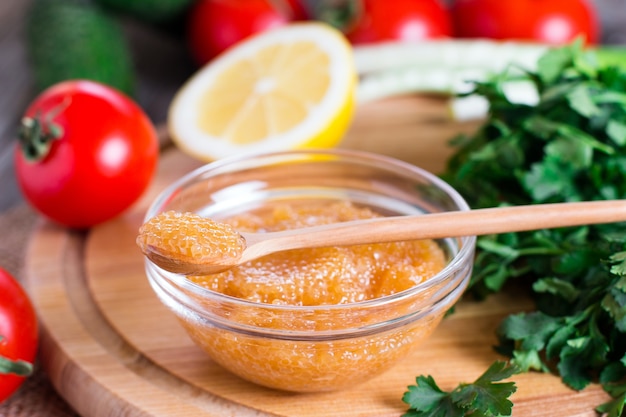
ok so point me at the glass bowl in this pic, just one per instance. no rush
(312, 348)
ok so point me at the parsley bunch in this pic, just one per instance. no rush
(570, 146)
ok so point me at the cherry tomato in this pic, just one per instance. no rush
(406, 20)
(215, 25)
(553, 22)
(296, 9)
(18, 331)
(88, 152)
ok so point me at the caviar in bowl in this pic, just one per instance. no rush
(315, 320)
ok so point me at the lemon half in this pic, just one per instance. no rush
(287, 88)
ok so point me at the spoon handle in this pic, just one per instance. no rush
(453, 224)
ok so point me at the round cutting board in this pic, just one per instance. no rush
(111, 349)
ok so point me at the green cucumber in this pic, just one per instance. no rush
(152, 11)
(451, 67)
(73, 39)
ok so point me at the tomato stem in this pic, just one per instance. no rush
(18, 367)
(37, 133)
(340, 14)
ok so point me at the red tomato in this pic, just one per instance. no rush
(18, 331)
(296, 9)
(215, 25)
(407, 20)
(550, 21)
(102, 161)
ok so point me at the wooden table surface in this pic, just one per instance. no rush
(162, 64)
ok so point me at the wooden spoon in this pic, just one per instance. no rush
(250, 246)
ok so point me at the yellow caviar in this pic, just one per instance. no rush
(189, 236)
(309, 366)
(321, 276)
(316, 282)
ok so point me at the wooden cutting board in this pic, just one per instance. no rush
(111, 349)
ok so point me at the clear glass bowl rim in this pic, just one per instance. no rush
(463, 256)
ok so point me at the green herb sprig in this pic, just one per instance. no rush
(484, 397)
(570, 146)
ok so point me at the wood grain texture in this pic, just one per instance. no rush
(414, 128)
(111, 349)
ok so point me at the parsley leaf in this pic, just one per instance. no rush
(613, 408)
(614, 379)
(427, 399)
(484, 397)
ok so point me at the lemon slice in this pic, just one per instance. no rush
(287, 88)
